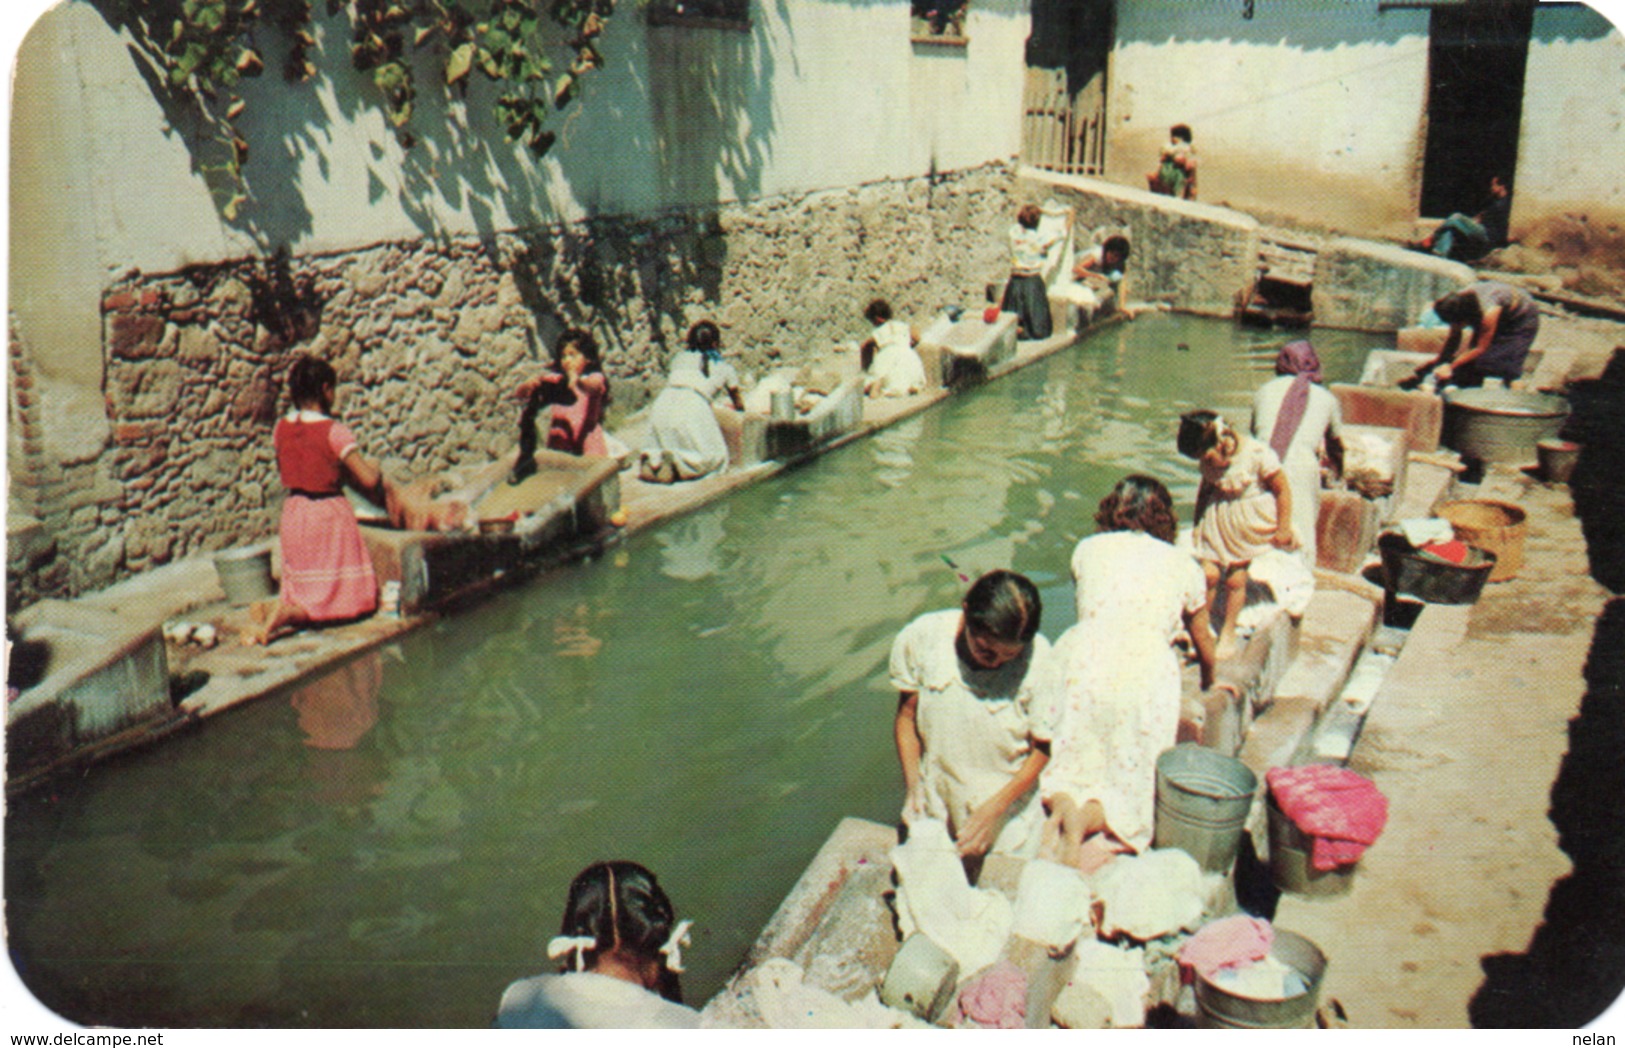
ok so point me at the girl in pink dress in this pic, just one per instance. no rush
(576, 392)
(327, 573)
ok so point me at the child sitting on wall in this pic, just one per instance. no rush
(1175, 175)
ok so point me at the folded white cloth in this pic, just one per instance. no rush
(1419, 531)
(1118, 975)
(1150, 895)
(934, 897)
(1052, 905)
(786, 1002)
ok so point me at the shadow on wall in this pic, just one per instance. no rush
(1574, 967)
(681, 115)
(709, 97)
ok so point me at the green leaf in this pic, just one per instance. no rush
(458, 65)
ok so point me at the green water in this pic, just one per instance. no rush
(390, 846)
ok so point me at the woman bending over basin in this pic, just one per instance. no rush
(1120, 684)
(972, 684)
(327, 573)
(685, 438)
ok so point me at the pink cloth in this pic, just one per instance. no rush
(1342, 811)
(1230, 943)
(996, 999)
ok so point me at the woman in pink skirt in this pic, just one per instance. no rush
(327, 573)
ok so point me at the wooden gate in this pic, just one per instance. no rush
(1061, 131)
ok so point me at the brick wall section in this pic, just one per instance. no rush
(430, 336)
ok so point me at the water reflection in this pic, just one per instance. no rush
(691, 546)
(335, 713)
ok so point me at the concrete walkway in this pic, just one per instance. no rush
(1465, 737)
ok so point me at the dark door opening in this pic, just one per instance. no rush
(1064, 109)
(1476, 55)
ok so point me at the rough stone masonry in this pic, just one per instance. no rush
(429, 337)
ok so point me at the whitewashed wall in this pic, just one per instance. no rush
(1307, 109)
(1315, 111)
(818, 94)
(1571, 143)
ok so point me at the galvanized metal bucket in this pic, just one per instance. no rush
(1218, 1008)
(245, 573)
(1202, 802)
(1290, 865)
(1501, 425)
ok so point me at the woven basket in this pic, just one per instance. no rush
(1498, 527)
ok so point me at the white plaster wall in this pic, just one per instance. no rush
(818, 94)
(1571, 144)
(1318, 122)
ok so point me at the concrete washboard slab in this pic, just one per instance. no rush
(105, 673)
(965, 351)
(754, 436)
(569, 497)
(1419, 414)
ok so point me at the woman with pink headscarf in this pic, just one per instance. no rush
(1296, 415)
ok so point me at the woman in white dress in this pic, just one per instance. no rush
(1297, 416)
(620, 954)
(971, 682)
(1120, 691)
(685, 439)
(891, 366)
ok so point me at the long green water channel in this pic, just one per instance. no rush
(390, 845)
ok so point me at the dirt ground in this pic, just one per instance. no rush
(1472, 909)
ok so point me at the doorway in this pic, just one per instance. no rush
(1476, 56)
(1064, 106)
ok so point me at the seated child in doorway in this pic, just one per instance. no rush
(1175, 175)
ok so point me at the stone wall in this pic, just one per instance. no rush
(1192, 254)
(429, 337)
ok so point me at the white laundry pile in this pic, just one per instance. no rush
(1109, 973)
(934, 897)
(1368, 464)
(1419, 531)
(1290, 583)
(1270, 979)
(1147, 896)
(785, 1001)
(1053, 905)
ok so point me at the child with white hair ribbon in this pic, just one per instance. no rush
(620, 952)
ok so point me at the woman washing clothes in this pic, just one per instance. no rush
(619, 954)
(1027, 293)
(1299, 416)
(575, 391)
(327, 573)
(972, 684)
(891, 366)
(685, 439)
(1120, 691)
(1243, 509)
